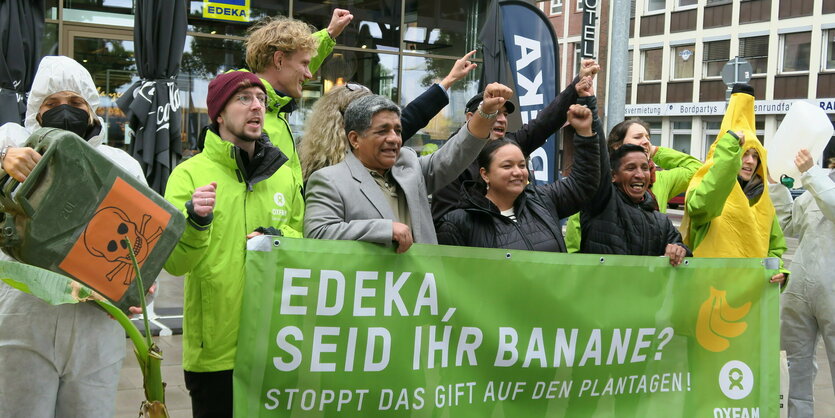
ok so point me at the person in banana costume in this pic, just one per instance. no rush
(726, 212)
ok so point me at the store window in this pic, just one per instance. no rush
(203, 59)
(376, 24)
(100, 12)
(829, 50)
(681, 132)
(716, 54)
(419, 73)
(556, 7)
(755, 51)
(655, 5)
(49, 43)
(652, 64)
(443, 27)
(51, 9)
(379, 72)
(110, 61)
(683, 60)
(795, 51)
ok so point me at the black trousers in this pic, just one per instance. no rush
(211, 393)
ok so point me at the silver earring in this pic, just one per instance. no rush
(488, 186)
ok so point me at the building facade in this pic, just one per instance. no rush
(678, 48)
(398, 48)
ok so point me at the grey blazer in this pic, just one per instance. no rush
(344, 202)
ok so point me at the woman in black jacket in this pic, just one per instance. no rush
(504, 211)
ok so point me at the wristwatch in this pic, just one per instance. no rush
(486, 115)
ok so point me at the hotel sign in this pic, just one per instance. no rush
(589, 25)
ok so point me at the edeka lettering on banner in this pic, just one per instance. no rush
(352, 328)
(232, 10)
(530, 44)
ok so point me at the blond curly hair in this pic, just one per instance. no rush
(324, 141)
(274, 34)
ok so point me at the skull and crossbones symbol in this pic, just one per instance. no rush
(104, 237)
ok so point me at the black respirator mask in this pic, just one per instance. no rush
(71, 119)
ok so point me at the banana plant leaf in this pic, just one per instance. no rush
(56, 289)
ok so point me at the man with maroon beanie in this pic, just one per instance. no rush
(237, 187)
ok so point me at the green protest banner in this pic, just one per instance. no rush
(352, 328)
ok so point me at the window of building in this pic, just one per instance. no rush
(683, 60)
(578, 57)
(709, 2)
(652, 64)
(681, 135)
(711, 131)
(755, 51)
(629, 61)
(829, 50)
(655, 5)
(716, 54)
(685, 3)
(795, 52)
(556, 7)
(580, 6)
(654, 132)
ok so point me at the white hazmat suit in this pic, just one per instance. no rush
(58, 361)
(808, 303)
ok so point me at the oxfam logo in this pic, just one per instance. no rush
(736, 380)
(278, 198)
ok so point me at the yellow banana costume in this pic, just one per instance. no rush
(720, 220)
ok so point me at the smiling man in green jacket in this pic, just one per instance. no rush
(238, 184)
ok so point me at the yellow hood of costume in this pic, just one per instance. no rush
(743, 229)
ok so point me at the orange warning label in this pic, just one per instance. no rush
(100, 257)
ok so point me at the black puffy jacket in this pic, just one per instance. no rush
(622, 226)
(530, 136)
(538, 209)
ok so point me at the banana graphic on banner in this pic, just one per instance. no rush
(718, 321)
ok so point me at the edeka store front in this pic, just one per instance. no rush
(397, 48)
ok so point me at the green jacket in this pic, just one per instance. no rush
(213, 258)
(678, 169)
(275, 122)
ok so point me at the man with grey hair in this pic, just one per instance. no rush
(379, 192)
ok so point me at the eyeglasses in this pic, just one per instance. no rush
(246, 99)
(356, 87)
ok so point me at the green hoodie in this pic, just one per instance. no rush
(678, 169)
(213, 258)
